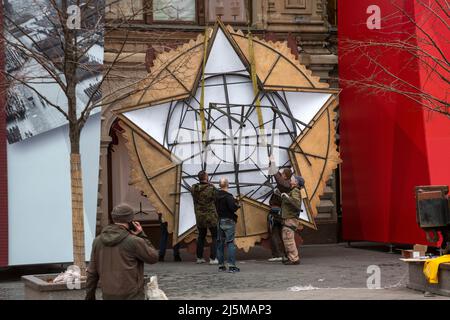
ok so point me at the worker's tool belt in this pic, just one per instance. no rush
(274, 217)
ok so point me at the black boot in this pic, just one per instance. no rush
(233, 269)
(291, 263)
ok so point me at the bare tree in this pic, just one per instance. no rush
(422, 37)
(72, 29)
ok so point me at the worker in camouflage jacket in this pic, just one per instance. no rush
(204, 195)
(291, 205)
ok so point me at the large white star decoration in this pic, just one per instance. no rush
(200, 110)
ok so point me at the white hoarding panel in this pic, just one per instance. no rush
(39, 195)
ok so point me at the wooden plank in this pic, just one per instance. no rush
(153, 172)
(288, 71)
(319, 140)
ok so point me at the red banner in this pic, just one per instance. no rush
(390, 141)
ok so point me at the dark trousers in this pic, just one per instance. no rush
(201, 241)
(276, 239)
(163, 242)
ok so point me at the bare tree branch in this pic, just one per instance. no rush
(418, 44)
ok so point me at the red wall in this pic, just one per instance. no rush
(388, 144)
(437, 127)
(3, 167)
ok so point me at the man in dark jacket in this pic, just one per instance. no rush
(226, 207)
(274, 217)
(163, 242)
(118, 257)
(204, 194)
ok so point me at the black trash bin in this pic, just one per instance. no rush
(433, 209)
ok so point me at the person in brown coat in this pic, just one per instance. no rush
(118, 257)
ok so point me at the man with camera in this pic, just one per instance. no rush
(117, 258)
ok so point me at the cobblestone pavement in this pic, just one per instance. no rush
(326, 272)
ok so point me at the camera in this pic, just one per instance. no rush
(131, 226)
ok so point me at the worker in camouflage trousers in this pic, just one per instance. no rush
(290, 208)
(204, 195)
(274, 219)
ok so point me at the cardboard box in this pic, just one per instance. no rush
(417, 252)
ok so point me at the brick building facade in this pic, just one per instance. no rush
(309, 28)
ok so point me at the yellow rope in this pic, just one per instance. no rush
(255, 86)
(202, 96)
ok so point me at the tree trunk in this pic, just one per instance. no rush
(77, 212)
(77, 204)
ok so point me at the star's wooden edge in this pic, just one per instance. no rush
(137, 179)
(333, 159)
(281, 47)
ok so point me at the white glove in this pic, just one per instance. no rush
(273, 169)
(284, 195)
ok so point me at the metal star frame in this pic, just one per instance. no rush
(224, 103)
